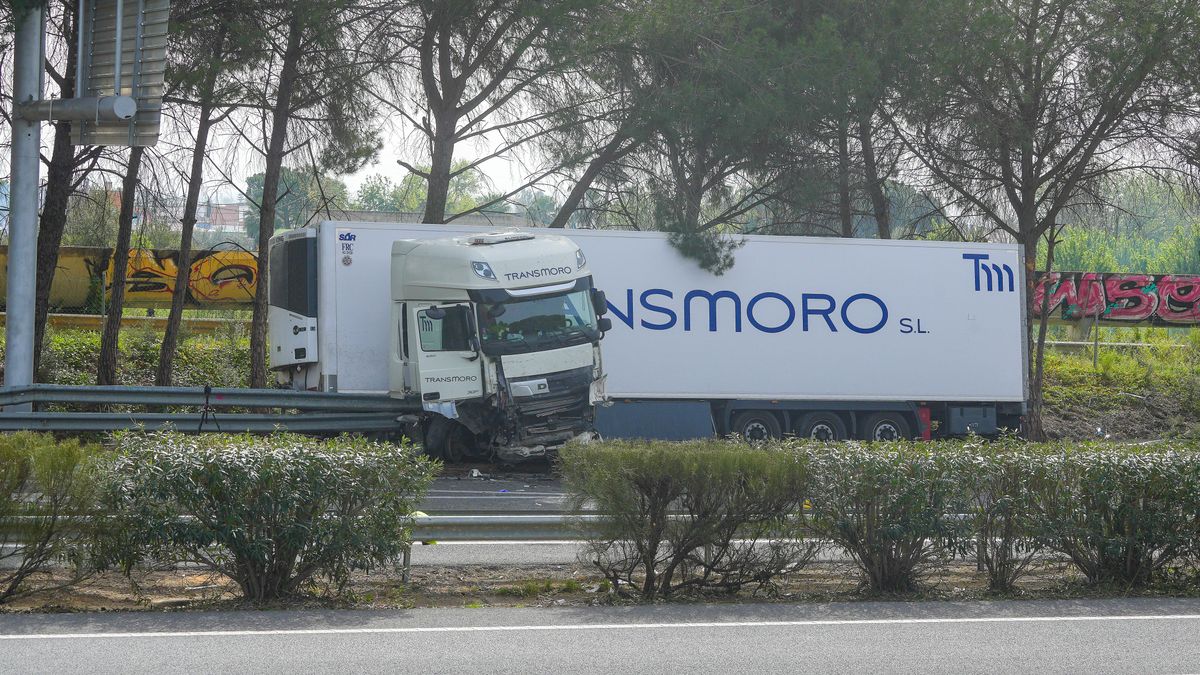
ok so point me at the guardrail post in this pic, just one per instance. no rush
(406, 565)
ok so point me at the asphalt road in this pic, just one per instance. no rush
(494, 492)
(1109, 636)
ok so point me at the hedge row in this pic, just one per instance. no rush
(720, 515)
(276, 514)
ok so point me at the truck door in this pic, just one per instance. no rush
(448, 367)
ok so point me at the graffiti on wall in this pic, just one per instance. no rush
(1120, 299)
(215, 278)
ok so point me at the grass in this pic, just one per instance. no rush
(1132, 393)
(531, 589)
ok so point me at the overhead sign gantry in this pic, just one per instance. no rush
(122, 48)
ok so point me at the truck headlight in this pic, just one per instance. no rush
(580, 259)
(483, 271)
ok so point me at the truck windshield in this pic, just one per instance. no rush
(539, 323)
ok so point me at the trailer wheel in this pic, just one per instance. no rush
(756, 426)
(889, 426)
(822, 426)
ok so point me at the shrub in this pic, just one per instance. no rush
(46, 490)
(702, 515)
(887, 505)
(221, 360)
(273, 513)
(1121, 514)
(999, 481)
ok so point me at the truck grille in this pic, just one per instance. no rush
(563, 406)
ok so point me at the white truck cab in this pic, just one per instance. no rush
(496, 335)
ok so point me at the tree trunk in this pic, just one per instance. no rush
(441, 164)
(276, 146)
(609, 154)
(879, 202)
(58, 192)
(106, 370)
(1036, 342)
(845, 216)
(166, 353)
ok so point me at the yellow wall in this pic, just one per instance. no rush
(217, 278)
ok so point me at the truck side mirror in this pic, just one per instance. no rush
(600, 302)
(436, 313)
(472, 335)
(604, 324)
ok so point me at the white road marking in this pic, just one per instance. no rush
(599, 626)
(515, 542)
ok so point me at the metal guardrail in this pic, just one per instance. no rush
(506, 527)
(557, 527)
(495, 528)
(1078, 344)
(325, 412)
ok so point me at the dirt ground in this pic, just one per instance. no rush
(509, 586)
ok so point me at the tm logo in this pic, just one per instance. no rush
(350, 236)
(987, 269)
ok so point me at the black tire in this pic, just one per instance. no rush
(886, 426)
(448, 440)
(822, 426)
(756, 426)
(460, 444)
(433, 436)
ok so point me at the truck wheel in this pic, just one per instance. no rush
(756, 426)
(460, 443)
(448, 440)
(822, 426)
(889, 426)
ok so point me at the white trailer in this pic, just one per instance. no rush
(819, 337)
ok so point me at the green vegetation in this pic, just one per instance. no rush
(42, 483)
(1127, 393)
(737, 500)
(275, 514)
(718, 515)
(219, 360)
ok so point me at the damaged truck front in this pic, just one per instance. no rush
(497, 336)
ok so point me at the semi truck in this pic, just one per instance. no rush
(495, 334)
(815, 337)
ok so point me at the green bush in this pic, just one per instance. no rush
(1121, 514)
(678, 512)
(998, 482)
(46, 493)
(274, 513)
(700, 515)
(219, 360)
(889, 505)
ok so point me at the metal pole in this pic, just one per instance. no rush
(80, 58)
(25, 167)
(119, 52)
